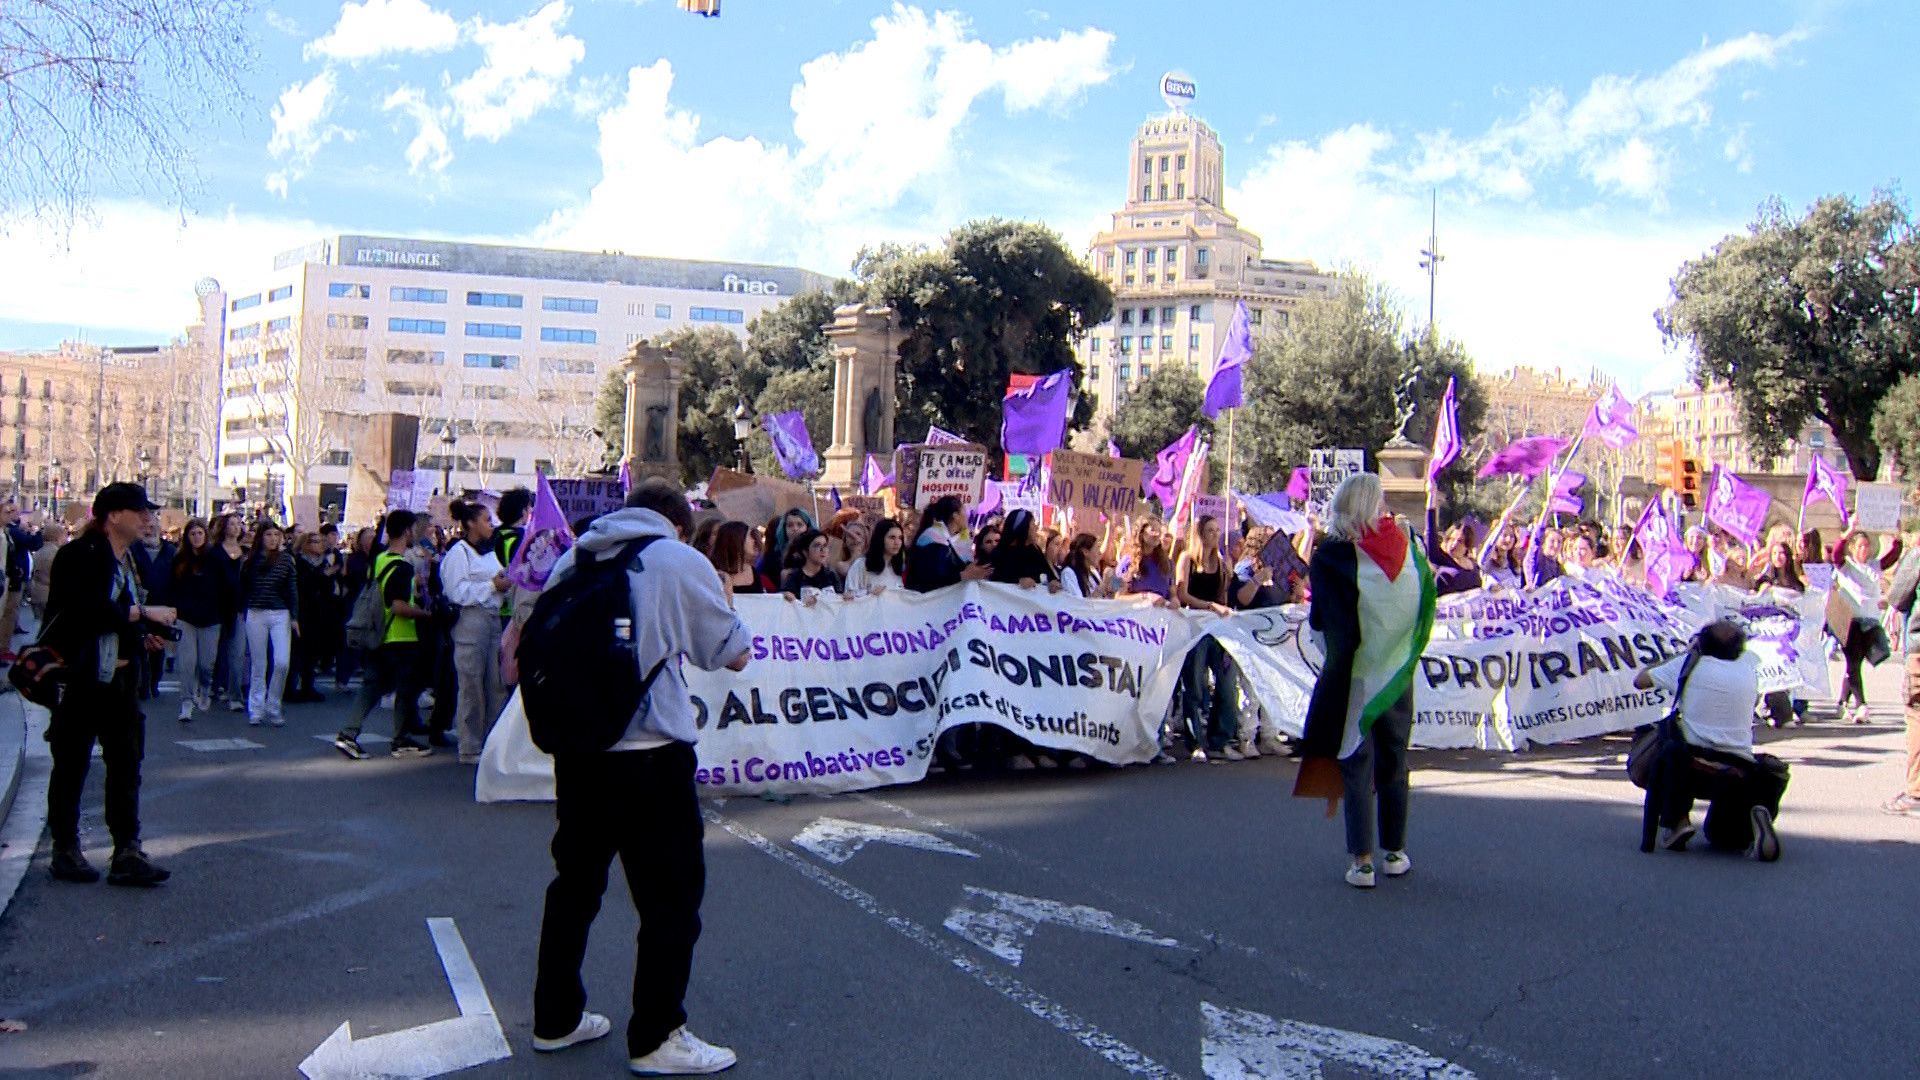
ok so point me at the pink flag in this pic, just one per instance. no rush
(1300, 484)
(1526, 458)
(1611, 420)
(1662, 550)
(1737, 506)
(1825, 482)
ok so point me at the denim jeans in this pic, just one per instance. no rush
(1377, 773)
(1207, 690)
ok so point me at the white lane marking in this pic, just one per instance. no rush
(444, 1046)
(1241, 1045)
(835, 840)
(214, 746)
(328, 739)
(1109, 1047)
(1002, 922)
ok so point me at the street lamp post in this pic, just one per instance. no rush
(447, 442)
(742, 427)
(145, 462)
(54, 485)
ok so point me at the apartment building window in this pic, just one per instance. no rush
(491, 361)
(557, 365)
(416, 356)
(1201, 260)
(1126, 316)
(1146, 316)
(1254, 314)
(1146, 371)
(571, 304)
(346, 352)
(1129, 256)
(1110, 260)
(1093, 372)
(1146, 192)
(280, 325)
(1163, 163)
(346, 385)
(1180, 162)
(494, 299)
(1149, 279)
(568, 335)
(1126, 346)
(1126, 372)
(1163, 191)
(246, 302)
(1283, 317)
(1179, 191)
(1150, 254)
(486, 393)
(1146, 166)
(1194, 312)
(1093, 346)
(719, 315)
(1172, 256)
(342, 290)
(1193, 341)
(281, 293)
(1166, 342)
(508, 331)
(412, 295)
(346, 322)
(1166, 315)
(412, 389)
(663, 311)
(244, 333)
(339, 459)
(416, 326)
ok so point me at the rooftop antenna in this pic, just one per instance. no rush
(1430, 257)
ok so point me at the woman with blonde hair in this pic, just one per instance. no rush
(1372, 606)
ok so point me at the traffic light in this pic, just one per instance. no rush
(1667, 465)
(706, 8)
(1689, 486)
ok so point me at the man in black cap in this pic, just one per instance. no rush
(97, 622)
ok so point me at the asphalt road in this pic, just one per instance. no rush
(1532, 939)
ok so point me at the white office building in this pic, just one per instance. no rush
(504, 346)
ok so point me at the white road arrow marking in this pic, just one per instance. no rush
(444, 1046)
(1001, 922)
(834, 840)
(1240, 1045)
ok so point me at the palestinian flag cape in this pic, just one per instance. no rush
(1373, 604)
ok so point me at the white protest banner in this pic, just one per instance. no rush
(588, 497)
(950, 470)
(1876, 507)
(1783, 630)
(852, 694)
(1094, 484)
(1325, 470)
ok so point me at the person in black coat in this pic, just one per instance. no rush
(935, 560)
(96, 620)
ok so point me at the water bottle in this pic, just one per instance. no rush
(623, 629)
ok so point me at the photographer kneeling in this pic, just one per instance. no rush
(1717, 683)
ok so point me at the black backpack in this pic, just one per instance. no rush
(579, 682)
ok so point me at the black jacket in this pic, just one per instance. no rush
(87, 600)
(21, 545)
(205, 595)
(156, 571)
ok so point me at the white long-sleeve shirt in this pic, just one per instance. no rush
(466, 576)
(861, 581)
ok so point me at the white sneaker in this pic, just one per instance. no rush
(1250, 752)
(1233, 754)
(683, 1054)
(186, 712)
(1396, 864)
(1360, 875)
(1198, 755)
(236, 706)
(592, 1026)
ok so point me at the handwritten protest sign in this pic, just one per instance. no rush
(1094, 482)
(1325, 470)
(1876, 507)
(906, 473)
(306, 512)
(951, 470)
(587, 497)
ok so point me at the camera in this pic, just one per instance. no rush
(153, 629)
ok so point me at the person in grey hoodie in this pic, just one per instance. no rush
(637, 800)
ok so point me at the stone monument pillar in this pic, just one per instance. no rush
(1403, 475)
(863, 391)
(653, 411)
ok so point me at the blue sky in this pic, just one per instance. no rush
(1580, 152)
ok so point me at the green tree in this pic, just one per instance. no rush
(1896, 426)
(1808, 318)
(1158, 411)
(998, 298)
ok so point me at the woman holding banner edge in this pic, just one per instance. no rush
(1373, 608)
(1206, 685)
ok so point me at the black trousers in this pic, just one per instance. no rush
(1733, 786)
(641, 806)
(105, 713)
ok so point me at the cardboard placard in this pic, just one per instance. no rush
(1876, 508)
(950, 470)
(755, 499)
(1094, 482)
(872, 508)
(400, 490)
(75, 514)
(587, 497)
(1326, 469)
(906, 473)
(306, 513)
(440, 511)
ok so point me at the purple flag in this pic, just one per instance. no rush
(548, 537)
(792, 446)
(1300, 484)
(1170, 464)
(1224, 390)
(1564, 500)
(1611, 420)
(1662, 550)
(1446, 434)
(941, 437)
(835, 492)
(626, 477)
(1825, 482)
(872, 480)
(1113, 449)
(1034, 420)
(1526, 458)
(1737, 506)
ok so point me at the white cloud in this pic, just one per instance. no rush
(300, 128)
(429, 150)
(1737, 149)
(874, 157)
(282, 23)
(1573, 287)
(527, 62)
(375, 28)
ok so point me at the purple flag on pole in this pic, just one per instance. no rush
(1662, 550)
(872, 480)
(937, 436)
(1611, 420)
(1737, 506)
(792, 446)
(1526, 458)
(1170, 464)
(1826, 482)
(1113, 449)
(1446, 434)
(1034, 420)
(1224, 389)
(1300, 484)
(626, 477)
(1565, 500)
(547, 538)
